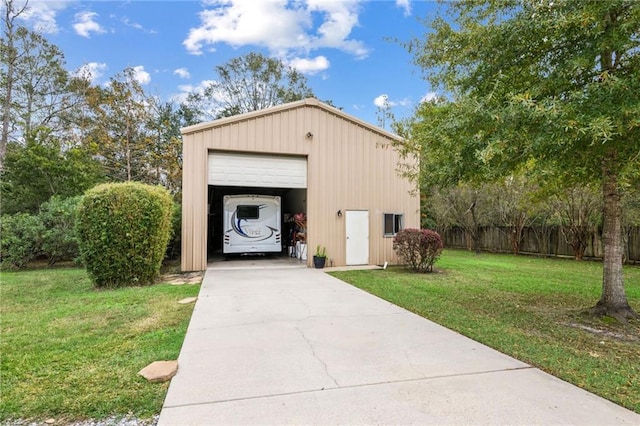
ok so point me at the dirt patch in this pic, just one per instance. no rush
(623, 334)
(146, 324)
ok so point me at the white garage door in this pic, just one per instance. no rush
(265, 171)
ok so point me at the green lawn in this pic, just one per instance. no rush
(529, 308)
(72, 352)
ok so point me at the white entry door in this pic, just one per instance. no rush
(357, 223)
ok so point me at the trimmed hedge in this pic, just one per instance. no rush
(123, 231)
(419, 248)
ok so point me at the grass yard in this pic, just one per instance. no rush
(529, 308)
(72, 352)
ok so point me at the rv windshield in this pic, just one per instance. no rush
(248, 212)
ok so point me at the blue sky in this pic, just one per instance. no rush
(342, 46)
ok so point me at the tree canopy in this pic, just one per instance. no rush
(249, 83)
(41, 168)
(546, 88)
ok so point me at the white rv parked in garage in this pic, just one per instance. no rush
(252, 224)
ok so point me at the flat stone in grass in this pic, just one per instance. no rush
(181, 279)
(187, 300)
(159, 371)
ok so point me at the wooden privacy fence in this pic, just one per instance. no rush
(545, 241)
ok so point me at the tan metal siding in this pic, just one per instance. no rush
(350, 167)
(194, 204)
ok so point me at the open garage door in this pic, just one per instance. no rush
(232, 173)
(255, 170)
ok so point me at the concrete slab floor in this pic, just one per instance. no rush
(297, 346)
(258, 261)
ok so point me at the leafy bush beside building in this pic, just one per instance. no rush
(123, 232)
(419, 248)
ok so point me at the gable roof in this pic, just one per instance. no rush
(308, 102)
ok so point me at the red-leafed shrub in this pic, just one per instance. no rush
(419, 248)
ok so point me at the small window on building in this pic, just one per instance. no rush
(248, 212)
(392, 224)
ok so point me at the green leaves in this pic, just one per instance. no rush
(42, 168)
(550, 81)
(35, 86)
(123, 231)
(249, 83)
(552, 86)
(20, 239)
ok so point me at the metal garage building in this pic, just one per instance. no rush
(335, 168)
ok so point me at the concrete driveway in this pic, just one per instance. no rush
(287, 345)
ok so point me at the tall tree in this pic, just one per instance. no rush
(36, 89)
(579, 210)
(120, 133)
(41, 86)
(9, 56)
(249, 83)
(551, 84)
(513, 203)
(136, 136)
(469, 209)
(165, 149)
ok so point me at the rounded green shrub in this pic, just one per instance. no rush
(123, 230)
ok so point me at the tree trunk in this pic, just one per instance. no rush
(8, 18)
(476, 240)
(476, 229)
(613, 301)
(517, 232)
(578, 241)
(128, 146)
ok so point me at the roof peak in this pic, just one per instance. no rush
(311, 102)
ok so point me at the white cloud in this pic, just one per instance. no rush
(199, 88)
(41, 15)
(383, 101)
(406, 5)
(340, 17)
(285, 28)
(186, 89)
(429, 97)
(126, 21)
(140, 75)
(240, 22)
(92, 70)
(85, 24)
(209, 105)
(309, 66)
(182, 73)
